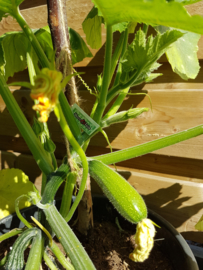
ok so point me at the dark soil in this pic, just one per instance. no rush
(109, 249)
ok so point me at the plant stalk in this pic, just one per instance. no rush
(106, 77)
(25, 129)
(80, 153)
(149, 147)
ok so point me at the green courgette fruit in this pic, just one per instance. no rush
(35, 255)
(73, 248)
(121, 194)
(16, 255)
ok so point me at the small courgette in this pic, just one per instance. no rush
(16, 255)
(121, 194)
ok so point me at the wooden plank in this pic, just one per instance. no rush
(33, 3)
(179, 201)
(186, 169)
(173, 111)
(169, 80)
(77, 10)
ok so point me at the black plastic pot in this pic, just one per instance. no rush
(177, 248)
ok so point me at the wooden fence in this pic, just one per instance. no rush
(171, 179)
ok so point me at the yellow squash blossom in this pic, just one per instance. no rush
(144, 240)
(47, 86)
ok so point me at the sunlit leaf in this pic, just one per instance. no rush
(182, 54)
(159, 12)
(92, 29)
(79, 49)
(199, 225)
(13, 184)
(14, 46)
(131, 27)
(120, 27)
(144, 52)
(8, 6)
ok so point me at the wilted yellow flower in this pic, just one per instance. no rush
(46, 89)
(144, 240)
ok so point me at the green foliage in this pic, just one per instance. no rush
(79, 49)
(142, 53)
(14, 45)
(92, 28)
(9, 6)
(13, 184)
(156, 12)
(182, 54)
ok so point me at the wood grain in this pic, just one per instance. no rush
(36, 16)
(179, 201)
(33, 3)
(173, 111)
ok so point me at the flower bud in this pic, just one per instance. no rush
(123, 116)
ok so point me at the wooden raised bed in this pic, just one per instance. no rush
(171, 179)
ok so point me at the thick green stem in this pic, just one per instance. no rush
(49, 262)
(33, 40)
(145, 28)
(119, 70)
(27, 224)
(106, 77)
(149, 147)
(25, 129)
(32, 74)
(67, 238)
(80, 153)
(67, 193)
(115, 107)
(69, 115)
(115, 90)
(61, 258)
(36, 251)
(116, 55)
(10, 234)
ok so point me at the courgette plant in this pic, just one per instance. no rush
(130, 64)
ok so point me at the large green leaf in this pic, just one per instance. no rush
(79, 49)
(157, 12)
(14, 46)
(92, 29)
(182, 54)
(44, 37)
(143, 53)
(13, 184)
(8, 6)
